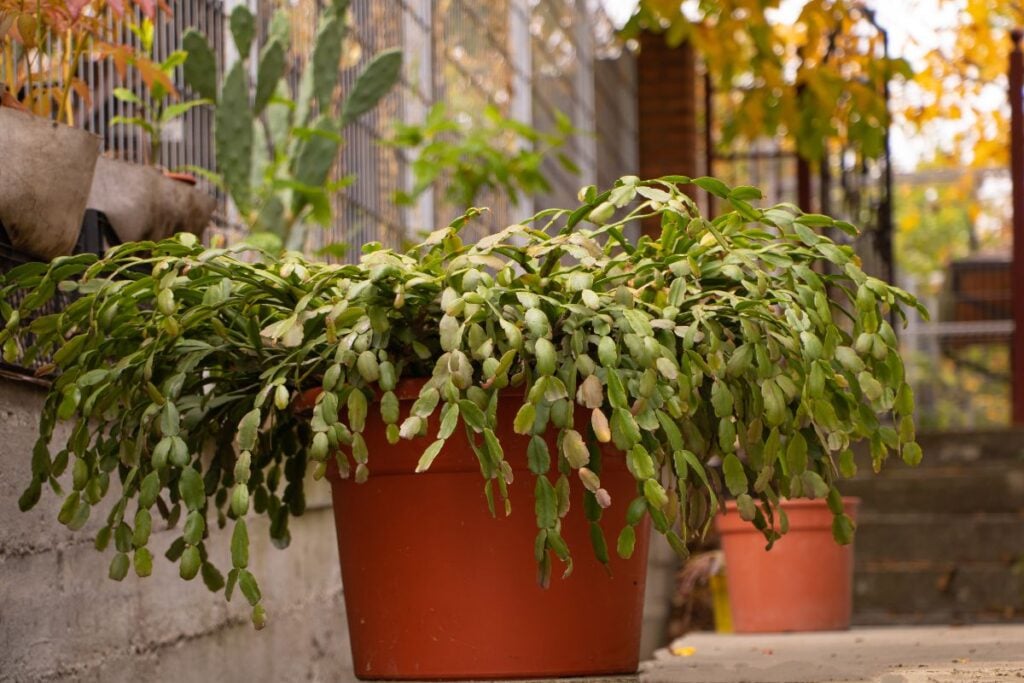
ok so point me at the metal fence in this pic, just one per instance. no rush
(187, 141)
(530, 58)
(954, 253)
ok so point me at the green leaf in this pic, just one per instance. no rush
(537, 455)
(126, 95)
(449, 420)
(200, 68)
(626, 542)
(625, 432)
(119, 566)
(379, 76)
(796, 454)
(842, 529)
(745, 193)
(133, 121)
(735, 476)
(250, 589)
(712, 185)
(149, 489)
(721, 399)
(847, 465)
(472, 415)
(598, 542)
(269, 73)
(545, 503)
(169, 420)
(143, 561)
(746, 507)
(233, 135)
(912, 454)
(212, 577)
(191, 488)
(243, 29)
(814, 485)
(173, 111)
(428, 455)
(240, 545)
(322, 68)
(190, 563)
(248, 428)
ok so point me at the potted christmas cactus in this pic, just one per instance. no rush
(489, 414)
(48, 165)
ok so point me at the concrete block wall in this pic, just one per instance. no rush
(62, 619)
(944, 542)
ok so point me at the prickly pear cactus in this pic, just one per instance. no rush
(233, 136)
(277, 168)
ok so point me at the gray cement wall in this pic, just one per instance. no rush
(62, 619)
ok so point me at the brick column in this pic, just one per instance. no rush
(667, 110)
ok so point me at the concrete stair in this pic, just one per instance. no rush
(943, 542)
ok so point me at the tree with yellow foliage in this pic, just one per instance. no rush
(818, 80)
(958, 96)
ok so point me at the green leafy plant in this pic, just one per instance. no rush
(156, 108)
(491, 153)
(276, 148)
(716, 341)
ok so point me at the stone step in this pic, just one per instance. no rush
(933, 617)
(940, 538)
(946, 448)
(973, 446)
(952, 489)
(910, 592)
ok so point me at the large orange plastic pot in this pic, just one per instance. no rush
(804, 583)
(436, 588)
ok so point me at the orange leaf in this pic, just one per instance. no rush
(152, 73)
(81, 88)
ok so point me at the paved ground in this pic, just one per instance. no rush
(970, 654)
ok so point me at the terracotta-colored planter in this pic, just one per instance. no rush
(804, 583)
(186, 178)
(435, 588)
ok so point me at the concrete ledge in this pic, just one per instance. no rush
(878, 655)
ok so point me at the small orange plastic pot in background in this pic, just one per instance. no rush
(804, 583)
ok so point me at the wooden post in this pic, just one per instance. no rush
(803, 185)
(804, 195)
(1017, 271)
(709, 137)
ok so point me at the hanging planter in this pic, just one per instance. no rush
(143, 203)
(803, 583)
(45, 176)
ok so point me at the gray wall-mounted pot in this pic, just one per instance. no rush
(46, 170)
(141, 203)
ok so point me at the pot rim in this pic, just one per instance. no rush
(728, 521)
(801, 503)
(407, 389)
(181, 177)
(31, 118)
